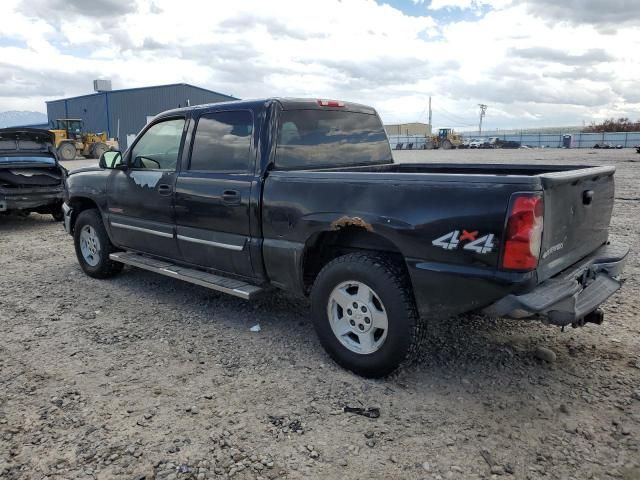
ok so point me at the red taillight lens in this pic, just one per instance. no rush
(523, 236)
(330, 103)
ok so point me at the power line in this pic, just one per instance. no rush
(458, 118)
(455, 122)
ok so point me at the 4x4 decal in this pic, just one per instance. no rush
(454, 239)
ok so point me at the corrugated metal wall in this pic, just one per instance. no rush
(125, 112)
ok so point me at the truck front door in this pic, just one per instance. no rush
(213, 194)
(140, 198)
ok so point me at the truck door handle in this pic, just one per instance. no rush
(164, 189)
(231, 197)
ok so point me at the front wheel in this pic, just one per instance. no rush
(99, 149)
(365, 315)
(93, 246)
(67, 151)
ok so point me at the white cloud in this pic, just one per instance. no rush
(466, 4)
(529, 69)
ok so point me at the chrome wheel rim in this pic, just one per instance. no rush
(90, 245)
(358, 318)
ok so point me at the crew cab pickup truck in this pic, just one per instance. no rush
(303, 195)
(31, 179)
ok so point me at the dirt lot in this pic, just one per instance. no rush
(144, 377)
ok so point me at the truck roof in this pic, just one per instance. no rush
(286, 104)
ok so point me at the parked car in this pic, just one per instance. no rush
(475, 143)
(507, 144)
(303, 195)
(31, 179)
(491, 142)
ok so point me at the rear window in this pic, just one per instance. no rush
(319, 138)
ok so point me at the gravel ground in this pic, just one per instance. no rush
(144, 377)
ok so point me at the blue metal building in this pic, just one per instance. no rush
(123, 113)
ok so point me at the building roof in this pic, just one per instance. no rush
(144, 88)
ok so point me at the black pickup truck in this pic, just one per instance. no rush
(303, 195)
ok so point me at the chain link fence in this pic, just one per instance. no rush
(533, 140)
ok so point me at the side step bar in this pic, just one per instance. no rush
(231, 286)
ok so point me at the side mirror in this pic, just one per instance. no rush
(111, 159)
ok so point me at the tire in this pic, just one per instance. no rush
(67, 151)
(429, 146)
(98, 149)
(390, 295)
(90, 235)
(447, 145)
(57, 213)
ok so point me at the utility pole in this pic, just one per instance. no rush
(430, 126)
(483, 112)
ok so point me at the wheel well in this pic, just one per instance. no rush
(80, 204)
(323, 247)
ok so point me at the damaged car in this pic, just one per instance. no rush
(31, 179)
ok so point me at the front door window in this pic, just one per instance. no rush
(158, 148)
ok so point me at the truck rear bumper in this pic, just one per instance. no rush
(29, 199)
(571, 295)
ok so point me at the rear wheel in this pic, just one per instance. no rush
(67, 151)
(93, 246)
(364, 314)
(447, 145)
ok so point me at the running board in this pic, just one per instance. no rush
(231, 286)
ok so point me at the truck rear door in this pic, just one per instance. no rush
(577, 211)
(213, 194)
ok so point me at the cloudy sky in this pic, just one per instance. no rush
(535, 62)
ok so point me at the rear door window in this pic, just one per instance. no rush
(222, 142)
(329, 138)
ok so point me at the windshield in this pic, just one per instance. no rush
(329, 138)
(14, 159)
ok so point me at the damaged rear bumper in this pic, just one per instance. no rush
(571, 295)
(29, 198)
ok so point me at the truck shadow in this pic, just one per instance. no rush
(19, 223)
(464, 346)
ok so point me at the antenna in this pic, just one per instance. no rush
(483, 112)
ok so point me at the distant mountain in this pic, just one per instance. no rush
(19, 118)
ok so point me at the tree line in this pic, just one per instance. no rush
(622, 124)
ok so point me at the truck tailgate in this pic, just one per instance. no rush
(577, 211)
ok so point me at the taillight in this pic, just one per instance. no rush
(330, 103)
(523, 235)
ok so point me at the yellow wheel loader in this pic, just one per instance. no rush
(446, 139)
(72, 141)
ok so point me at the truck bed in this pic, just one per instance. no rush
(486, 169)
(414, 204)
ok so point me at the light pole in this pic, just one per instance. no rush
(483, 112)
